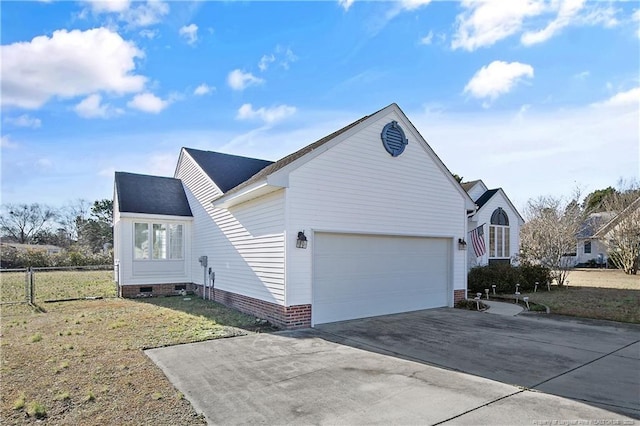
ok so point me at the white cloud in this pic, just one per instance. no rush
(636, 18)
(146, 14)
(484, 23)
(148, 102)
(582, 75)
(240, 80)
(44, 163)
(68, 64)
(566, 14)
(542, 152)
(427, 39)
(622, 99)
(190, 33)
(7, 143)
(149, 34)
(203, 89)
(497, 78)
(143, 15)
(284, 56)
(268, 115)
(108, 6)
(414, 4)
(287, 56)
(24, 120)
(265, 61)
(345, 4)
(92, 107)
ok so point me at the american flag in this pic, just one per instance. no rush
(477, 239)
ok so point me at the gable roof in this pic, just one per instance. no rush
(593, 223)
(225, 170)
(616, 219)
(151, 195)
(306, 153)
(490, 193)
(468, 185)
(486, 197)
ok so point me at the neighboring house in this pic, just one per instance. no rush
(47, 248)
(366, 221)
(499, 224)
(591, 249)
(597, 231)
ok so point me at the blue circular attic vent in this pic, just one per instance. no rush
(393, 139)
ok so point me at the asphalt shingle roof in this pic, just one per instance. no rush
(486, 197)
(468, 185)
(292, 157)
(227, 171)
(151, 195)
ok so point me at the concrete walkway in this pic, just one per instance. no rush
(502, 308)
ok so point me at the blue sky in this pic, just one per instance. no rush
(537, 97)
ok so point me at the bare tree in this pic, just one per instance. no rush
(621, 235)
(72, 218)
(21, 222)
(548, 237)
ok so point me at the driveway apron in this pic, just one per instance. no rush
(427, 367)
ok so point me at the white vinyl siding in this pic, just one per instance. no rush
(136, 270)
(477, 191)
(244, 245)
(356, 186)
(510, 244)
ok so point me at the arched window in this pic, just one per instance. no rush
(499, 246)
(499, 217)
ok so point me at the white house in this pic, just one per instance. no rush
(590, 248)
(596, 232)
(498, 225)
(366, 221)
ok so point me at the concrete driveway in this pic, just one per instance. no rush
(429, 367)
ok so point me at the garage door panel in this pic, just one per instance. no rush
(356, 276)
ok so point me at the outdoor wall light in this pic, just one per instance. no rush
(301, 242)
(462, 244)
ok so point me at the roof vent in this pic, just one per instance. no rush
(393, 139)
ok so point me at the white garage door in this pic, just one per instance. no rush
(358, 276)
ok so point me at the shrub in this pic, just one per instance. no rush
(505, 277)
(532, 274)
(37, 410)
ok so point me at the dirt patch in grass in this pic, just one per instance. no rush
(86, 365)
(593, 293)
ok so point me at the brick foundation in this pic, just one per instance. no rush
(174, 289)
(289, 317)
(459, 295)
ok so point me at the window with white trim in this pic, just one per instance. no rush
(499, 236)
(158, 241)
(587, 247)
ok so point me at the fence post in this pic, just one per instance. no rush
(27, 287)
(31, 286)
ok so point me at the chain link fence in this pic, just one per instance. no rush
(40, 285)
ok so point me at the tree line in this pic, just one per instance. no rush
(83, 229)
